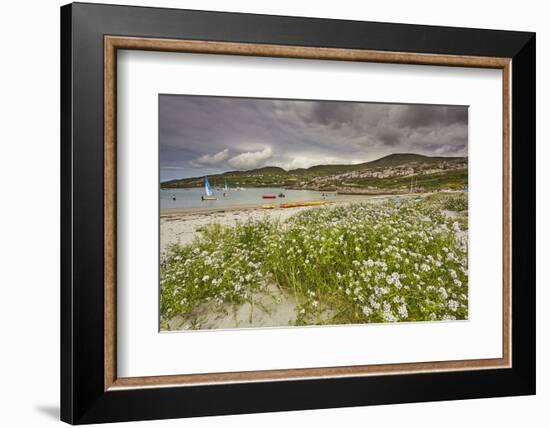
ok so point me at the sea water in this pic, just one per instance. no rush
(191, 198)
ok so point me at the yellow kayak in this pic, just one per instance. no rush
(302, 204)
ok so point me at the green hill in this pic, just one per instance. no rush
(398, 172)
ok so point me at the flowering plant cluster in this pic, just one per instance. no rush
(362, 263)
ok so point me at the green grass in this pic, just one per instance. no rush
(453, 180)
(305, 177)
(403, 261)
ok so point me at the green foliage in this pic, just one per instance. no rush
(458, 202)
(362, 263)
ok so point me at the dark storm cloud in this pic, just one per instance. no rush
(426, 116)
(205, 135)
(389, 137)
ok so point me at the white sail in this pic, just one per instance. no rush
(207, 188)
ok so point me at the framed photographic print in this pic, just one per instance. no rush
(264, 213)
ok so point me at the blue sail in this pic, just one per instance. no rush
(207, 188)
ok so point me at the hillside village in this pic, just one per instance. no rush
(395, 173)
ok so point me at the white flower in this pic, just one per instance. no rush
(367, 311)
(453, 305)
(402, 310)
(398, 299)
(387, 313)
(373, 302)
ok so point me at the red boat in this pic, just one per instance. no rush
(268, 196)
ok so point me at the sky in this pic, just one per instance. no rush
(201, 135)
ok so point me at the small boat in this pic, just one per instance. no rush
(209, 195)
(302, 204)
(281, 195)
(268, 196)
(268, 207)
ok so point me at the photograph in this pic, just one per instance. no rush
(280, 212)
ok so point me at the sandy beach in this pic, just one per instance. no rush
(271, 308)
(180, 225)
(274, 302)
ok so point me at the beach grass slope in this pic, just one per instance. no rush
(398, 261)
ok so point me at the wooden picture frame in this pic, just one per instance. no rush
(91, 390)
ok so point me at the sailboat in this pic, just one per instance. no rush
(225, 189)
(208, 196)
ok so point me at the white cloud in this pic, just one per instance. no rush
(250, 160)
(215, 159)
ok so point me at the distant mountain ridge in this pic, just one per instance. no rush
(386, 173)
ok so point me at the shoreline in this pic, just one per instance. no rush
(348, 198)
